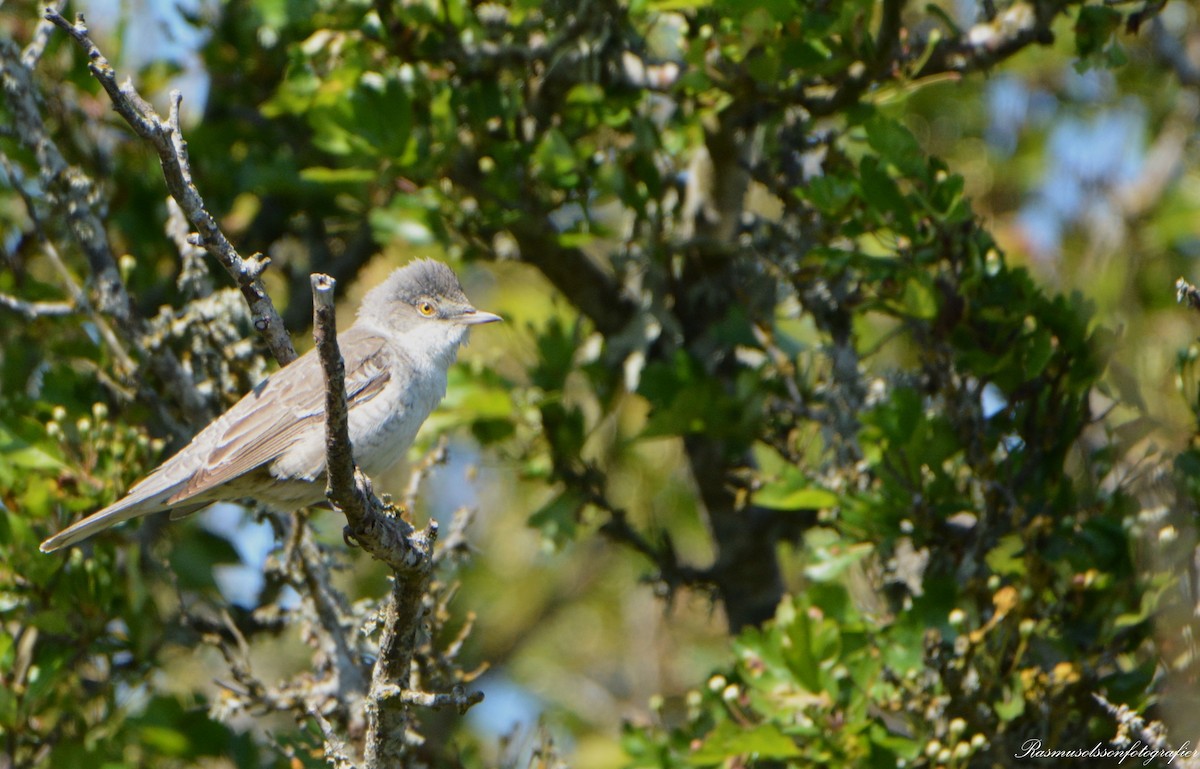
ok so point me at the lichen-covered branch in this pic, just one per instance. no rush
(377, 528)
(167, 139)
(371, 523)
(69, 187)
(32, 53)
(1186, 293)
(31, 310)
(72, 192)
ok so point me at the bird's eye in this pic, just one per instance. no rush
(425, 308)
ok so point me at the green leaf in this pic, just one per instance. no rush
(882, 192)
(897, 417)
(1013, 704)
(555, 162)
(406, 218)
(558, 519)
(793, 490)
(1041, 350)
(1095, 25)
(896, 145)
(833, 562)
(919, 299)
(830, 194)
(1007, 557)
(322, 175)
(20, 453)
(808, 644)
(165, 739)
(591, 94)
(758, 743)
(678, 5)
(193, 560)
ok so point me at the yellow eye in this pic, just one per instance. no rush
(426, 309)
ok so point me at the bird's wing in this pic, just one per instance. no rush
(262, 425)
(255, 431)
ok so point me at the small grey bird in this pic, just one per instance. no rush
(270, 446)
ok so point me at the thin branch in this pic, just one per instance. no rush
(333, 617)
(595, 291)
(433, 458)
(167, 140)
(31, 310)
(883, 57)
(79, 297)
(987, 44)
(459, 699)
(1173, 53)
(33, 51)
(671, 573)
(589, 286)
(1186, 293)
(387, 715)
(346, 488)
(454, 544)
(335, 747)
(193, 277)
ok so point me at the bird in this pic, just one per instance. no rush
(270, 445)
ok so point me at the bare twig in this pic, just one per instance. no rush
(167, 139)
(335, 747)
(1186, 293)
(434, 457)
(79, 297)
(334, 619)
(987, 44)
(31, 310)
(193, 277)
(33, 51)
(454, 544)
(459, 698)
(671, 574)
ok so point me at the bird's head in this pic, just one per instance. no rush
(423, 302)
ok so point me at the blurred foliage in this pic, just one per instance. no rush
(801, 328)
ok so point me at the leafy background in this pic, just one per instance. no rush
(843, 414)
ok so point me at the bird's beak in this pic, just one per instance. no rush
(474, 317)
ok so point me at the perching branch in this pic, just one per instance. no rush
(167, 139)
(374, 526)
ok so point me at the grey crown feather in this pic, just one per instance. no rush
(422, 278)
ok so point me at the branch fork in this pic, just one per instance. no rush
(166, 137)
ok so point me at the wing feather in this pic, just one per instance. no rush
(261, 426)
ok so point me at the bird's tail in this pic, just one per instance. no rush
(130, 506)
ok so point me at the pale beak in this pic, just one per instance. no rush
(474, 317)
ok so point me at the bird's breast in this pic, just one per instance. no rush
(383, 428)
